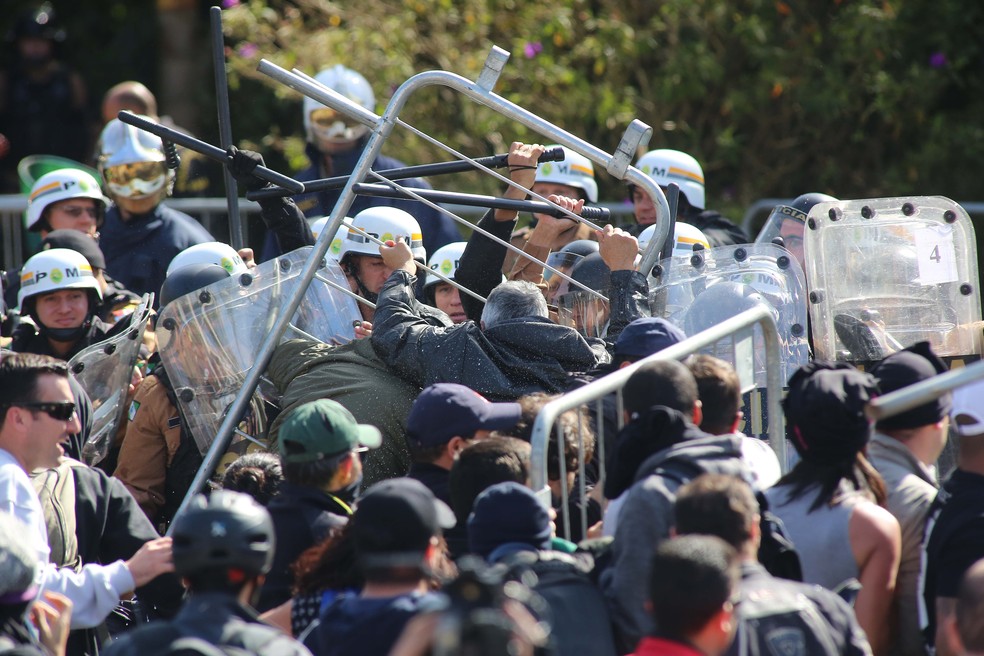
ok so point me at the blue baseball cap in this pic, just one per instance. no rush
(646, 336)
(446, 410)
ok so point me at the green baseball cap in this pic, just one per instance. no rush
(323, 429)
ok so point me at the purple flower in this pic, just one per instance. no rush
(531, 50)
(226, 4)
(247, 50)
(937, 60)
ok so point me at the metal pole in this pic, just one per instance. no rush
(406, 172)
(899, 401)
(225, 126)
(206, 149)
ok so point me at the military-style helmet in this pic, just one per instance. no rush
(383, 223)
(798, 210)
(666, 166)
(326, 124)
(720, 302)
(55, 270)
(211, 252)
(227, 530)
(445, 261)
(61, 185)
(190, 278)
(131, 161)
(575, 171)
(685, 237)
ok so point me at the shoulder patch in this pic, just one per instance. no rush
(133, 410)
(174, 422)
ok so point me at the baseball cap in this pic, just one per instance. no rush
(395, 521)
(967, 412)
(446, 410)
(323, 429)
(908, 367)
(646, 336)
(508, 513)
(825, 411)
(78, 242)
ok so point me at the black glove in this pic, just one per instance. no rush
(241, 164)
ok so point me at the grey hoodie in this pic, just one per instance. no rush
(645, 520)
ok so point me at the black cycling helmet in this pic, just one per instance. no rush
(227, 530)
(190, 279)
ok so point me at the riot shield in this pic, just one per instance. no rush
(889, 272)
(700, 290)
(105, 370)
(208, 340)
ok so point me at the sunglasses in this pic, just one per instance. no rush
(57, 410)
(75, 211)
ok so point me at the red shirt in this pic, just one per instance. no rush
(661, 647)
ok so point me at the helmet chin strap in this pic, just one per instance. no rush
(363, 290)
(64, 334)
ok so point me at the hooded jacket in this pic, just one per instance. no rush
(516, 357)
(645, 520)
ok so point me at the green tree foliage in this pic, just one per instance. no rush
(859, 99)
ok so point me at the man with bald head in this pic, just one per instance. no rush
(130, 95)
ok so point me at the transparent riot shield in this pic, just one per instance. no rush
(703, 289)
(886, 273)
(105, 370)
(208, 340)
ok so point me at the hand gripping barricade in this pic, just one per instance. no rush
(105, 370)
(246, 372)
(209, 339)
(889, 272)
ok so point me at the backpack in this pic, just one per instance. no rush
(577, 609)
(777, 619)
(776, 553)
(55, 488)
(165, 638)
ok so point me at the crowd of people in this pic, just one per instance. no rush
(387, 507)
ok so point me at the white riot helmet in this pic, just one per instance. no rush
(325, 124)
(318, 224)
(445, 261)
(131, 161)
(54, 270)
(685, 236)
(666, 166)
(211, 252)
(383, 223)
(575, 171)
(61, 185)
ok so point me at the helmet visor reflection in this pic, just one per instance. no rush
(136, 179)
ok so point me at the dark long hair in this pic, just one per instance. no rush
(857, 474)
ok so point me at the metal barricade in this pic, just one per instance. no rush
(614, 382)
(897, 402)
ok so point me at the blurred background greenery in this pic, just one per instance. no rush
(856, 98)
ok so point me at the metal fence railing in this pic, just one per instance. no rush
(596, 392)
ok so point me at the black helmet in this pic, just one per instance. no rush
(40, 21)
(805, 202)
(225, 530)
(190, 279)
(593, 273)
(582, 247)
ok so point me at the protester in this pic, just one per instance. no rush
(963, 630)
(904, 450)
(257, 474)
(319, 447)
(813, 619)
(223, 546)
(832, 501)
(396, 530)
(37, 414)
(691, 585)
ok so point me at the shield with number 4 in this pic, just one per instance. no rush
(886, 273)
